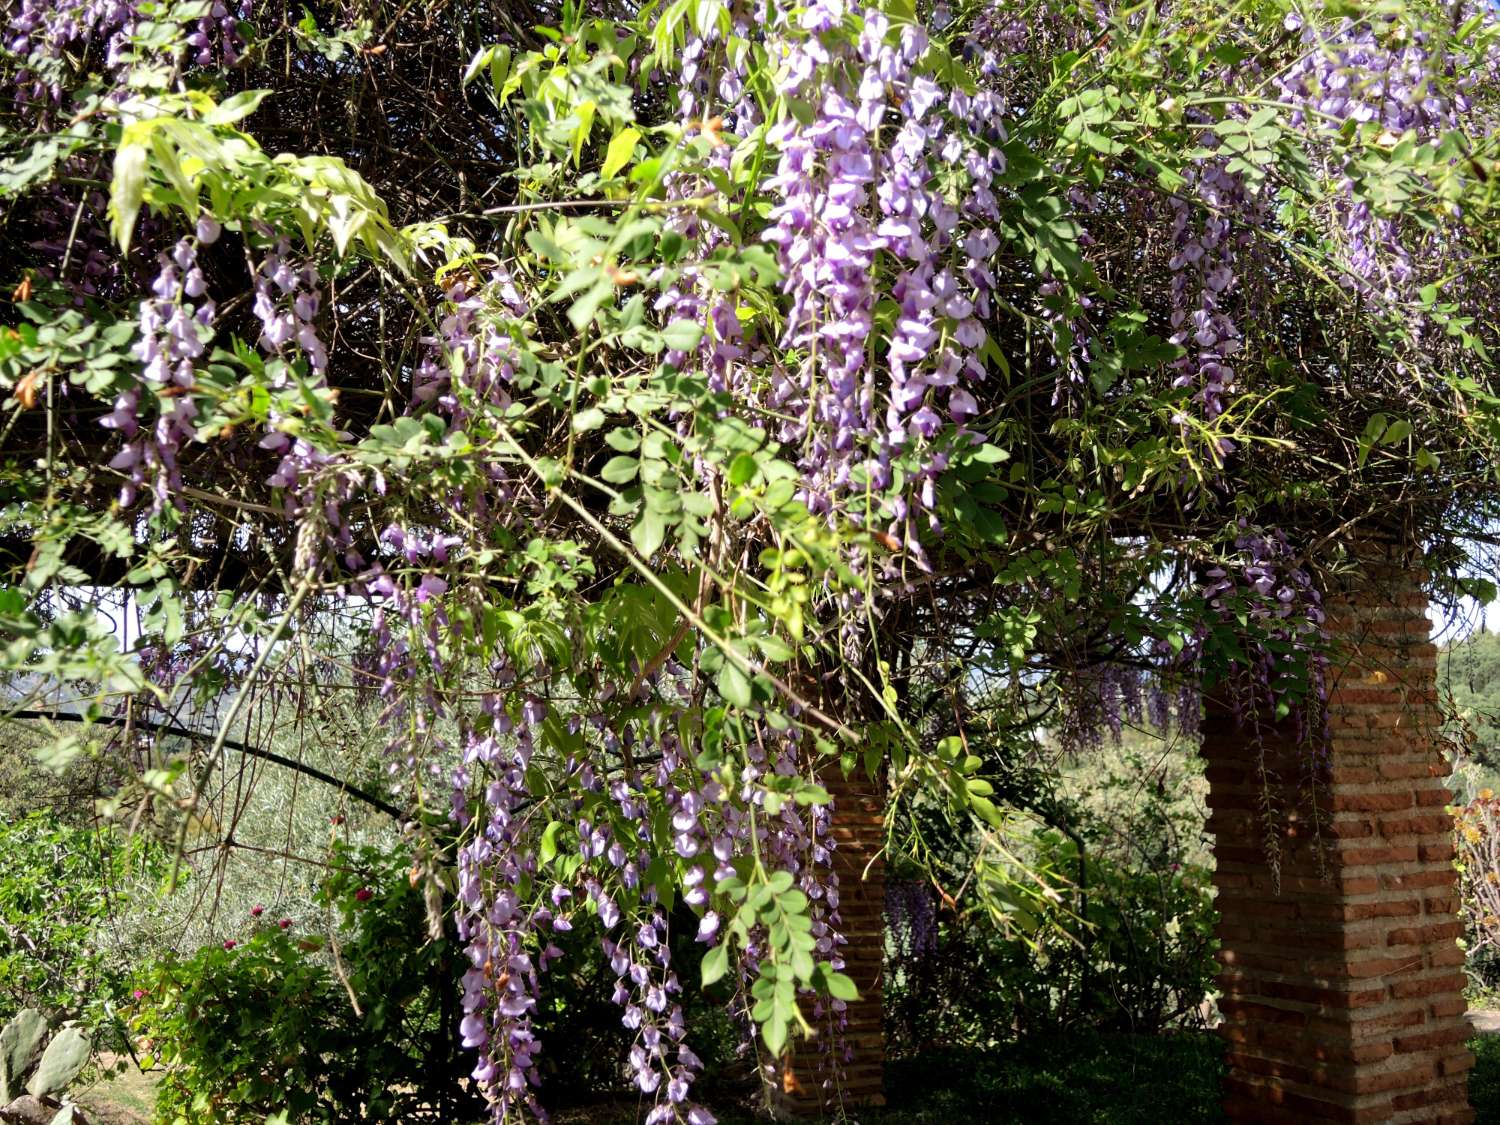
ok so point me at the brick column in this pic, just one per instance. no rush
(1342, 986)
(807, 1083)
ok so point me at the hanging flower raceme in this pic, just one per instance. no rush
(1285, 673)
(860, 217)
(175, 324)
(498, 927)
(43, 32)
(1377, 79)
(1210, 236)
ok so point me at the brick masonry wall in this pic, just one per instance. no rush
(1342, 985)
(805, 1084)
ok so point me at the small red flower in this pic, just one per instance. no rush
(138, 994)
(285, 923)
(257, 910)
(230, 944)
(364, 894)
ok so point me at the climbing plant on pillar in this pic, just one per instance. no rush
(649, 411)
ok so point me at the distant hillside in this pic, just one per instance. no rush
(1469, 670)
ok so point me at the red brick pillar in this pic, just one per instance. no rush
(811, 1082)
(1342, 985)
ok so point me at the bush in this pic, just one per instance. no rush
(1122, 949)
(1080, 1078)
(314, 1029)
(250, 1028)
(1120, 933)
(1125, 948)
(1476, 837)
(59, 885)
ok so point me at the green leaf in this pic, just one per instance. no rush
(547, 851)
(774, 1033)
(1399, 430)
(1374, 429)
(57, 755)
(741, 469)
(236, 108)
(581, 312)
(626, 441)
(621, 149)
(620, 470)
(715, 964)
(648, 532)
(841, 987)
(126, 190)
(682, 335)
(586, 420)
(734, 685)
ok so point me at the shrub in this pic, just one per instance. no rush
(1124, 948)
(1120, 933)
(262, 1024)
(1476, 837)
(59, 885)
(358, 1025)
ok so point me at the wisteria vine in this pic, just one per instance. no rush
(792, 365)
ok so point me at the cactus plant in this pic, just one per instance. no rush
(50, 1070)
(20, 1047)
(64, 1057)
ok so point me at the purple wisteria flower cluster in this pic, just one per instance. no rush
(1105, 698)
(175, 324)
(43, 31)
(860, 217)
(911, 915)
(286, 298)
(508, 938)
(1287, 674)
(501, 985)
(1210, 235)
(286, 303)
(1387, 80)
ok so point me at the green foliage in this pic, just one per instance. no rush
(1083, 1078)
(580, 1027)
(1121, 910)
(358, 1024)
(60, 886)
(1484, 1079)
(1078, 1078)
(1469, 681)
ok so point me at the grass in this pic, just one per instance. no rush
(1079, 1079)
(126, 1098)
